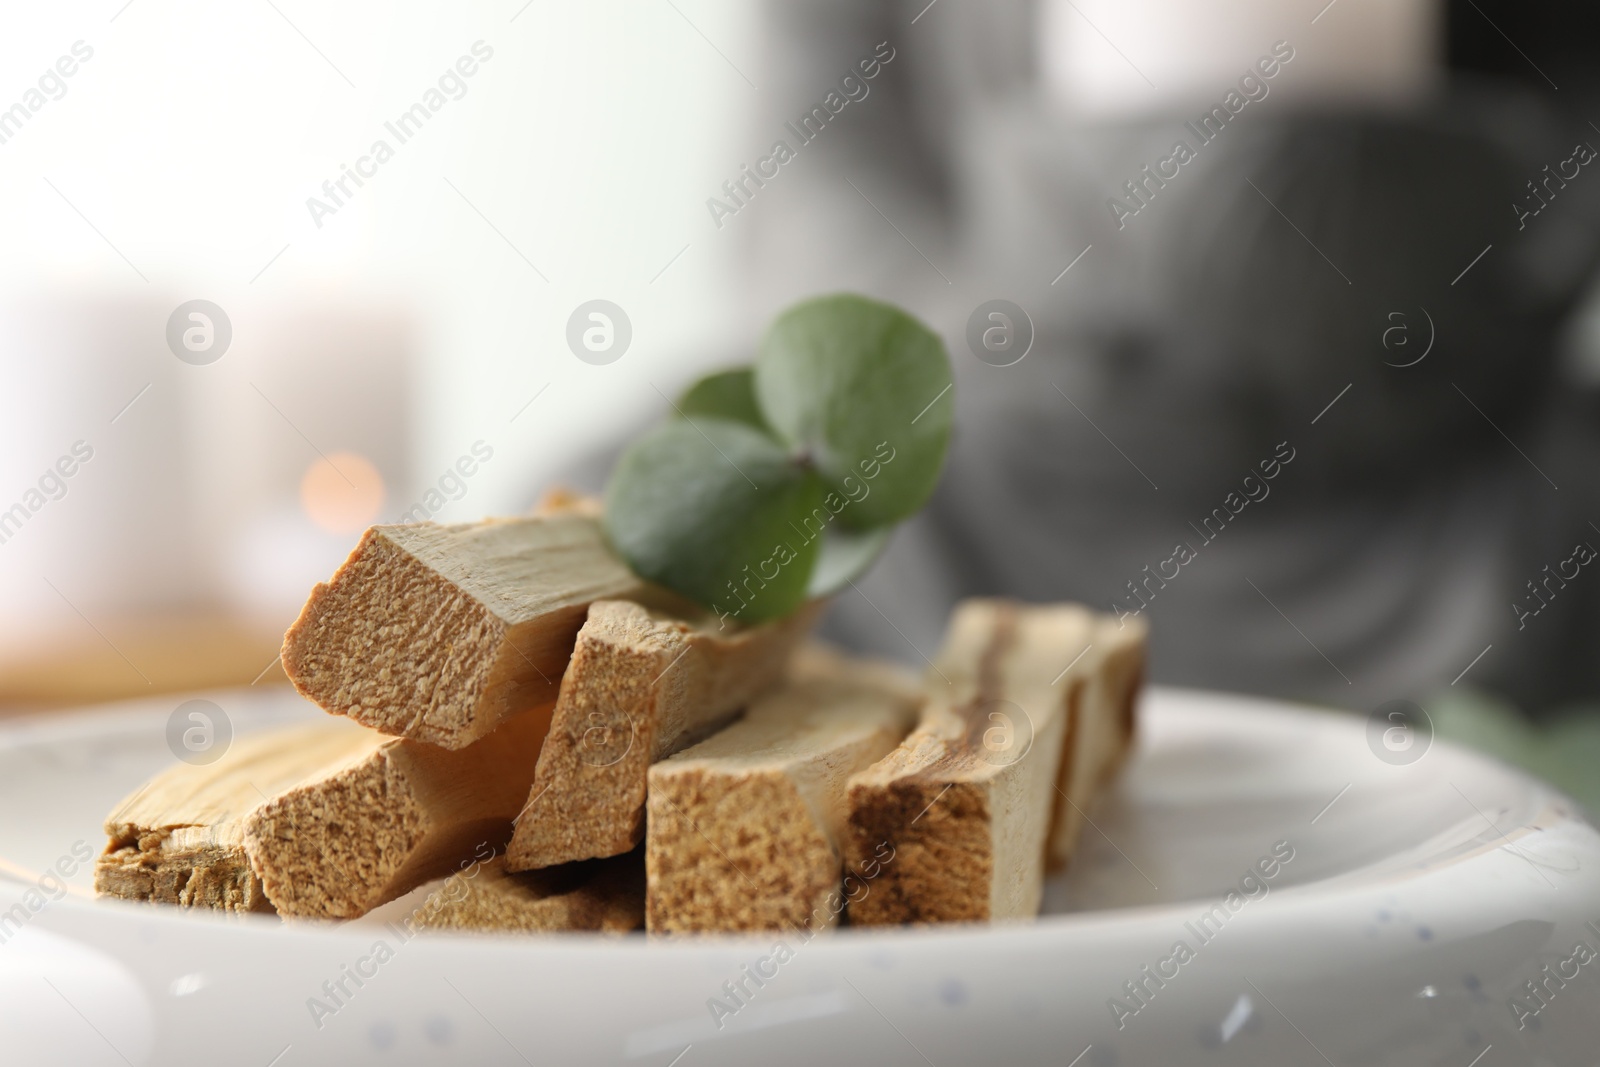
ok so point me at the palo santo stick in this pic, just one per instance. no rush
(606, 896)
(640, 686)
(744, 827)
(438, 633)
(1106, 681)
(180, 838)
(967, 801)
(366, 832)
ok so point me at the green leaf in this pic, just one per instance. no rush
(845, 556)
(728, 394)
(784, 481)
(711, 508)
(863, 390)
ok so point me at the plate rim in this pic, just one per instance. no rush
(55, 726)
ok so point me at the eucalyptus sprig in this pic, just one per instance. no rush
(783, 480)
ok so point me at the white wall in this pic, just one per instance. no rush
(192, 139)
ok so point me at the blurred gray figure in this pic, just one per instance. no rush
(1237, 315)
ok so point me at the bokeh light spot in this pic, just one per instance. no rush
(342, 493)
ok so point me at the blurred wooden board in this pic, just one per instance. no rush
(126, 658)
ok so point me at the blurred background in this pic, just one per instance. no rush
(1370, 271)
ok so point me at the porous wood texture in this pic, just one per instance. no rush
(439, 633)
(605, 896)
(364, 833)
(744, 827)
(967, 802)
(1106, 681)
(180, 838)
(641, 685)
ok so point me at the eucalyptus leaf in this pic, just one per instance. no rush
(845, 556)
(728, 394)
(711, 508)
(862, 390)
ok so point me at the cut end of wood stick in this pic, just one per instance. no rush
(180, 867)
(180, 838)
(438, 633)
(744, 827)
(603, 896)
(939, 838)
(364, 833)
(641, 685)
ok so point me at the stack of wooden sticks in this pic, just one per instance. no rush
(506, 694)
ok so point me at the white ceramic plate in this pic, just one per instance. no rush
(1418, 903)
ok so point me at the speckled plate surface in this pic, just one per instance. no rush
(1260, 888)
